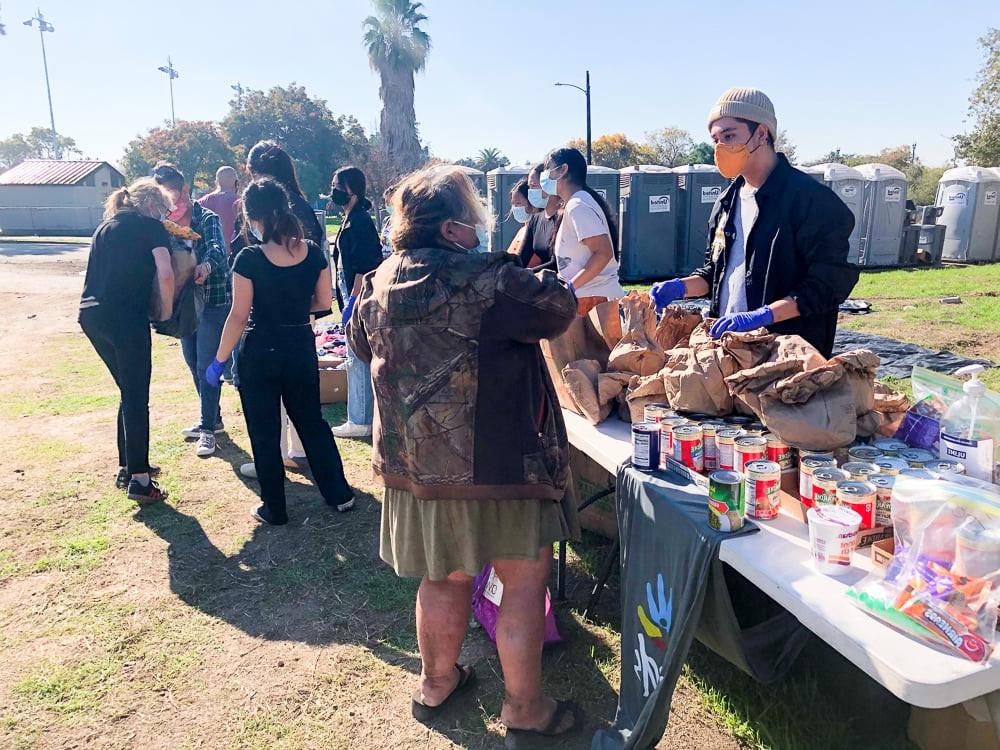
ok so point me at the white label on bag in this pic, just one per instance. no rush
(975, 455)
(710, 194)
(893, 193)
(659, 204)
(990, 199)
(494, 588)
(956, 199)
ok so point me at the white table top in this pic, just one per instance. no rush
(777, 560)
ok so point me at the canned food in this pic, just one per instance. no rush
(946, 464)
(803, 453)
(738, 419)
(667, 425)
(779, 451)
(864, 453)
(688, 446)
(917, 473)
(646, 446)
(656, 412)
(890, 446)
(710, 451)
(762, 484)
(695, 416)
(883, 498)
(917, 458)
(825, 481)
(890, 465)
(726, 506)
(726, 441)
(807, 466)
(757, 427)
(859, 497)
(859, 471)
(748, 448)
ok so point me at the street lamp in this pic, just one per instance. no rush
(586, 92)
(172, 74)
(44, 26)
(240, 90)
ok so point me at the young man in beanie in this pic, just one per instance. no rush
(778, 239)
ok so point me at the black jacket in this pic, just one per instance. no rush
(358, 244)
(797, 248)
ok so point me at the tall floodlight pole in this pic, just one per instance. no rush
(172, 73)
(586, 93)
(240, 90)
(44, 26)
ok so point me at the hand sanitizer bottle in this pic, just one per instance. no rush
(970, 429)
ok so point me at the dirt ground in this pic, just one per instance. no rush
(189, 626)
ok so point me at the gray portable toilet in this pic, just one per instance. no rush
(813, 170)
(647, 222)
(996, 240)
(968, 198)
(477, 176)
(883, 210)
(499, 183)
(849, 185)
(698, 187)
(604, 181)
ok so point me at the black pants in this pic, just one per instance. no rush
(283, 367)
(125, 346)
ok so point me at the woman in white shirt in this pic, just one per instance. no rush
(586, 246)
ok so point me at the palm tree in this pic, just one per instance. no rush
(397, 50)
(490, 158)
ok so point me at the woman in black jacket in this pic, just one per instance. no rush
(360, 251)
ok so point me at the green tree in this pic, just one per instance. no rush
(923, 190)
(670, 146)
(784, 145)
(981, 146)
(38, 143)
(397, 50)
(196, 147)
(303, 125)
(615, 151)
(702, 153)
(485, 160)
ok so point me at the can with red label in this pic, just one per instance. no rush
(667, 425)
(726, 442)
(859, 471)
(656, 412)
(808, 465)
(859, 497)
(779, 451)
(825, 483)
(688, 446)
(883, 498)
(710, 450)
(748, 448)
(762, 484)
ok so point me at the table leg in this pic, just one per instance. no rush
(606, 567)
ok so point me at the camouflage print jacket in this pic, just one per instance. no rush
(464, 404)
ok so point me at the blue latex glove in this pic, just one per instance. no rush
(213, 373)
(572, 288)
(665, 292)
(348, 309)
(742, 321)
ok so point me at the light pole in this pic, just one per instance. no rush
(240, 90)
(586, 92)
(172, 74)
(44, 26)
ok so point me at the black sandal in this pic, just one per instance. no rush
(518, 739)
(466, 680)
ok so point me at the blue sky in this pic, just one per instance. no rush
(854, 75)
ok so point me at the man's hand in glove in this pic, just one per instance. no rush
(348, 309)
(742, 321)
(665, 292)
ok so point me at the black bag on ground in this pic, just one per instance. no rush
(188, 306)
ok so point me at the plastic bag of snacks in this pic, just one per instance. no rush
(943, 584)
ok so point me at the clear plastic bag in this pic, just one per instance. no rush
(942, 583)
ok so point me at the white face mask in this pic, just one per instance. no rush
(520, 214)
(255, 233)
(481, 236)
(536, 198)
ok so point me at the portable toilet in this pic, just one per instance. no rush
(698, 187)
(647, 222)
(813, 170)
(968, 198)
(883, 210)
(604, 181)
(849, 185)
(477, 176)
(996, 240)
(499, 183)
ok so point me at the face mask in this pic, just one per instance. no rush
(536, 199)
(549, 185)
(481, 236)
(255, 233)
(339, 197)
(732, 158)
(520, 214)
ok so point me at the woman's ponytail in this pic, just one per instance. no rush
(266, 201)
(142, 196)
(609, 217)
(576, 171)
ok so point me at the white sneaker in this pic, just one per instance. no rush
(351, 430)
(249, 470)
(206, 444)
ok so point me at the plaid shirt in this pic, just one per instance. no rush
(211, 249)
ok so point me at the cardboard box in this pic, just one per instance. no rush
(882, 552)
(794, 507)
(332, 382)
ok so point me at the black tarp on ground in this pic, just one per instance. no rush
(898, 357)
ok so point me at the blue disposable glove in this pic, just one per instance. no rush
(570, 286)
(348, 309)
(213, 373)
(665, 292)
(742, 321)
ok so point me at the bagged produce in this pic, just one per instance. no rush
(606, 320)
(859, 371)
(941, 585)
(580, 378)
(579, 341)
(636, 352)
(675, 327)
(813, 409)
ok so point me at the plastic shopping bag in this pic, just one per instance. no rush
(487, 593)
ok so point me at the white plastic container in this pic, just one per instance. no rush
(970, 428)
(833, 535)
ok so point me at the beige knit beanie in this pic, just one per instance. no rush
(747, 104)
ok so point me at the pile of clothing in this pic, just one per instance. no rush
(621, 357)
(330, 340)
